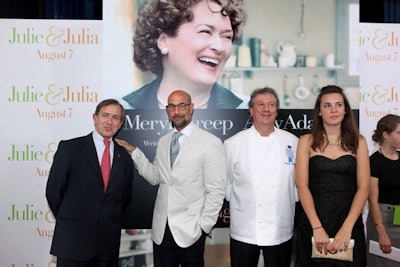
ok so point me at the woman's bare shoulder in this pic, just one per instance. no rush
(305, 138)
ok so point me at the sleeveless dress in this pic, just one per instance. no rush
(333, 184)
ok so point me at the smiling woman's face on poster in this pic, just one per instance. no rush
(185, 50)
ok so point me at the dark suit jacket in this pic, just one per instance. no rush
(88, 220)
(146, 97)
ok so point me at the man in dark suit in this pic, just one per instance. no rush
(87, 209)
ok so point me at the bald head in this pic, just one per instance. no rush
(180, 109)
(180, 94)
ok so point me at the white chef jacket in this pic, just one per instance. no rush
(261, 187)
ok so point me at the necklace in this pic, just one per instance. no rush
(330, 142)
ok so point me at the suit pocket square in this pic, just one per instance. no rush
(340, 255)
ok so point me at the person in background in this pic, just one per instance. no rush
(261, 186)
(186, 45)
(191, 187)
(332, 178)
(384, 193)
(87, 208)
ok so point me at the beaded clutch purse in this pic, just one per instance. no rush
(340, 255)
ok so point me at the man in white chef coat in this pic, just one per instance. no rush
(261, 186)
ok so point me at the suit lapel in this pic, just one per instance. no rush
(116, 164)
(186, 148)
(91, 153)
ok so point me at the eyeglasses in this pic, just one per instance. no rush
(180, 106)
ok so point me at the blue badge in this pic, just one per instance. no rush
(290, 155)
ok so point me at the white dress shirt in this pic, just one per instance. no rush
(100, 146)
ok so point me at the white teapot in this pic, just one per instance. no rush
(287, 52)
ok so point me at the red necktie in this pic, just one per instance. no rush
(105, 163)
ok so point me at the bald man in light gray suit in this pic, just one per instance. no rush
(191, 191)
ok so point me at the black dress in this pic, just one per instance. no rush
(333, 184)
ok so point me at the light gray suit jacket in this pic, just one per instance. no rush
(191, 193)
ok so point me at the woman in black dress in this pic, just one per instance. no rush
(332, 178)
